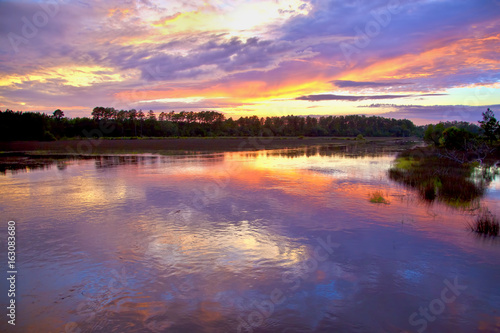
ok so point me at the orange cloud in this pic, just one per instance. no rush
(167, 20)
(120, 12)
(282, 86)
(441, 58)
(187, 18)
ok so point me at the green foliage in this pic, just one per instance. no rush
(455, 138)
(433, 133)
(405, 163)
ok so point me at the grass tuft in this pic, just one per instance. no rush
(486, 224)
(377, 197)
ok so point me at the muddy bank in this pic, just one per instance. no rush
(175, 145)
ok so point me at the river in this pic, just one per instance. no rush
(265, 241)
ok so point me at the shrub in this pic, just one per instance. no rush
(47, 136)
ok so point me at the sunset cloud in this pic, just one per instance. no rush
(360, 84)
(435, 113)
(241, 55)
(353, 98)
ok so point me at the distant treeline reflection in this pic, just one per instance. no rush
(25, 162)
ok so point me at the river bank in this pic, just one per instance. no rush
(175, 145)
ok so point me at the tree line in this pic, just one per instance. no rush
(456, 135)
(132, 123)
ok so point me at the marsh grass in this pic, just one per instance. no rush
(378, 197)
(485, 224)
(438, 178)
(405, 163)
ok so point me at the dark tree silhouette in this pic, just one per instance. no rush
(124, 123)
(58, 114)
(490, 125)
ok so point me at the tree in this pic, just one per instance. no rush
(58, 114)
(98, 112)
(456, 138)
(109, 113)
(132, 115)
(212, 123)
(433, 133)
(151, 115)
(141, 116)
(490, 125)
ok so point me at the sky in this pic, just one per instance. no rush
(424, 60)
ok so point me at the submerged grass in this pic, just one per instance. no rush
(486, 224)
(377, 197)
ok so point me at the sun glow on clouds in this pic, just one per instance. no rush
(118, 12)
(442, 59)
(187, 100)
(249, 16)
(76, 76)
(247, 57)
(246, 92)
(232, 16)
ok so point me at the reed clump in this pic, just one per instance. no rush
(486, 224)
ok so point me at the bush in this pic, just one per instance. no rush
(47, 136)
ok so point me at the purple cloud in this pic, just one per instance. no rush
(423, 114)
(360, 84)
(302, 49)
(355, 98)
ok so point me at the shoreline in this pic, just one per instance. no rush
(220, 144)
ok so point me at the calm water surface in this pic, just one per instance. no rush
(269, 241)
